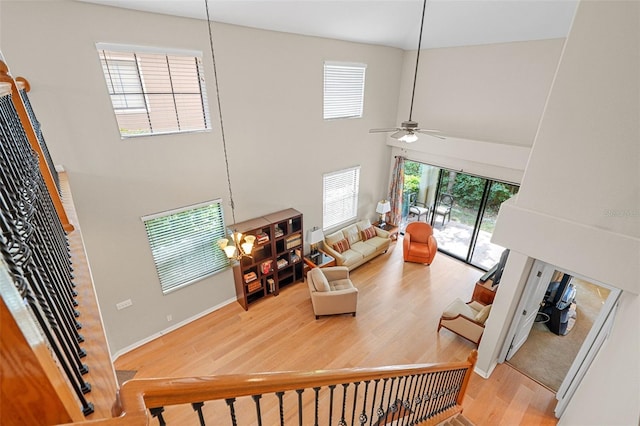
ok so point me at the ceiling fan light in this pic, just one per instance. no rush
(409, 138)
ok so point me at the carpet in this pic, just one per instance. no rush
(124, 375)
(546, 357)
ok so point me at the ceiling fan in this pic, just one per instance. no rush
(408, 129)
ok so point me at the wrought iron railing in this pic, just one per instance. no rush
(421, 394)
(34, 246)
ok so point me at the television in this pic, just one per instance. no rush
(500, 267)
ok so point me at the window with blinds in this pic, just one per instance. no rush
(343, 90)
(184, 244)
(155, 91)
(340, 197)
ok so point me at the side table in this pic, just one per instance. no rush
(321, 260)
(484, 292)
(391, 229)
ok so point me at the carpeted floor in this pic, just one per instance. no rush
(547, 357)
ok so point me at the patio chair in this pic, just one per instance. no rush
(415, 209)
(443, 208)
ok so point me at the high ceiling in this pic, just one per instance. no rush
(394, 23)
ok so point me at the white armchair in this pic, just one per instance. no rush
(332, 292)
(465, 319)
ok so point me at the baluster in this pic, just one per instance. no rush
(197, 407)
(256, 400)
(417, 398)
(402, 401)
(157, 412)
(299, 392)
(373, 400)
(316, 391)
(392, 404)
(280, 396)
(331, 389)
(363, 415)
(426, 397)
(380, 411)
(342, 422)
(232, 410)
(408, 400)
(355, 401)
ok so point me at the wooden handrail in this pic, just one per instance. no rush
(137, 395)
(35, 145)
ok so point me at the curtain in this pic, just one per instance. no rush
(395, 191)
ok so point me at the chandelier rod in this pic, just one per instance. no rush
(415, 75)
(224, 142)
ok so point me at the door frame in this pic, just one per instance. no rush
(600, 330)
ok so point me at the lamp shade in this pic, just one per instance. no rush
(316, 236)
(383, 207)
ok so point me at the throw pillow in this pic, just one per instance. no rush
(370, 232)
(352, 234)
(483, 314)
(320, 282)
(341, 246)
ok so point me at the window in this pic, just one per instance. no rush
(184, 244)
(340, 197)
(343, 90)
(155, 91)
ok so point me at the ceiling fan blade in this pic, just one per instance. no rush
(399, 134)
(383, 130)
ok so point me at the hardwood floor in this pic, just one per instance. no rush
(399, 305)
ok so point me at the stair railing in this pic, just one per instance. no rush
(421, 394)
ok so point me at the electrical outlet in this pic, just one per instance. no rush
(124, 304)
(169, 317)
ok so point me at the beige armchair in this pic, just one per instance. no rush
(465, 319)
(332, 292)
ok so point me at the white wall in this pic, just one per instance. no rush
(579, 204)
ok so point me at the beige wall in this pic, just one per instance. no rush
(579, 204)
(279, 146)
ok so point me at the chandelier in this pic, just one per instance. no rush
(237, 249)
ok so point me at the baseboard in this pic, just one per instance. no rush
(176, 326)
(485, 374)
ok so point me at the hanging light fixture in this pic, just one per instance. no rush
(237, 249)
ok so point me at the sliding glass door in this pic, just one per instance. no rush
(461, 208)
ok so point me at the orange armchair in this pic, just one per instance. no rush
(419, 245)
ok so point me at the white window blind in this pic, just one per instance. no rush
(184, 244)
(340, 197)
(343, 90)
(155, 91)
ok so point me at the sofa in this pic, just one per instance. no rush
(332, 292)
(356, 244)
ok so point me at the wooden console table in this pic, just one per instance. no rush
(484, 292)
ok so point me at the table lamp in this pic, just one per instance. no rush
(383, 208)
(315, 236)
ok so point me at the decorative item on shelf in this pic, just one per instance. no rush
(278, 231)
(250, 276)
(383, 208)
(237, 250)
(315, 236)
(272, 285)
(265, 267)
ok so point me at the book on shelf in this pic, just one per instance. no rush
(278, 231)
(253, 286)
(295, 257)
(272, 285)
(282, 263)
(250, 276)
(293, 240)
(262, 237)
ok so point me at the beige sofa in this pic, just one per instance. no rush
(360, 246)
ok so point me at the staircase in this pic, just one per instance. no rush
(457, 420)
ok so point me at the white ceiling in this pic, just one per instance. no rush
(393, 23)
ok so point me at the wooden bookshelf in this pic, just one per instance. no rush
(276, 260)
